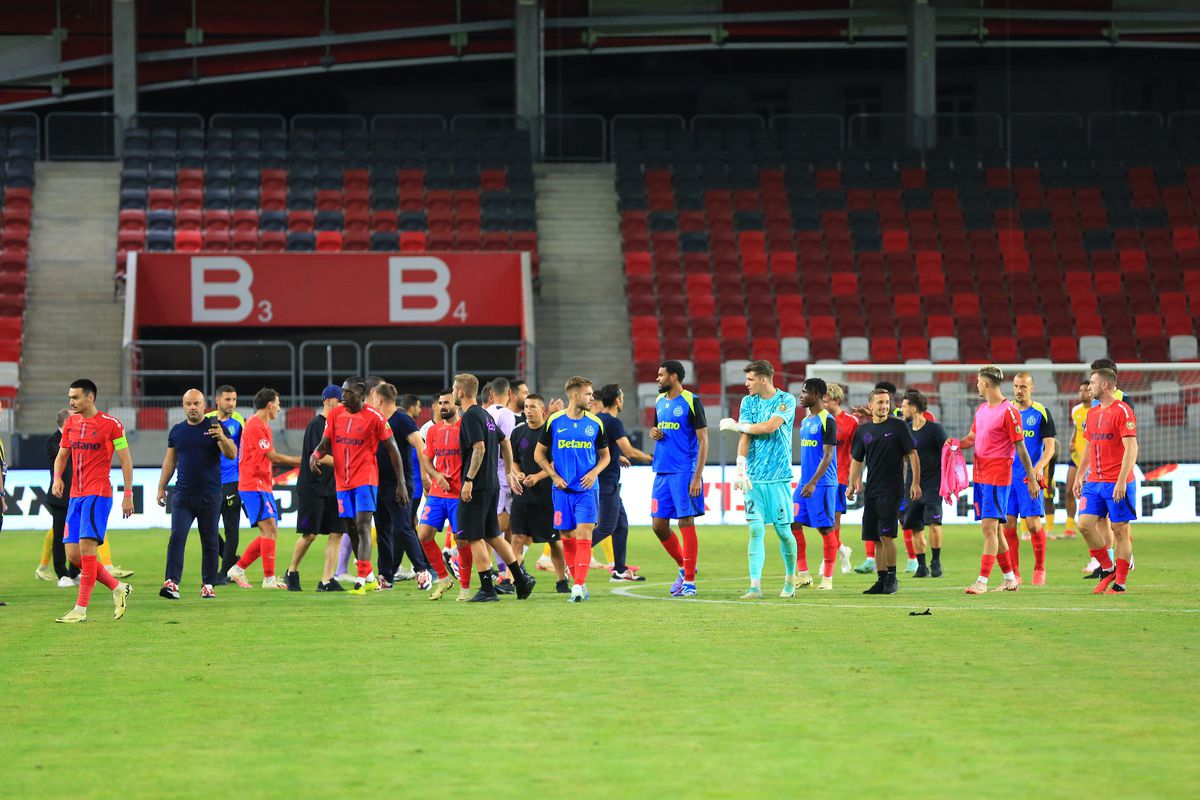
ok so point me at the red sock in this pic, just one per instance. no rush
(433, 554)
(268, 557)
(466, 560)
(985, 565)
(1101, 555)
(87, 580)
(568, 546)
(691, 550)
(829, 547)
(583, 560)
(251, 554)
(837, 535)
(1004, 560)
(671, 545)
(449, 540)
(364, 567)
(801, 548)
(869, 548)
(103, 576)
(1014, 546)
(1122, 571)
(908, 545)
(1038, 539)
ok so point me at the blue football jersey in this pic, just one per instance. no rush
(233, 429)
(678, 419)
(1036, 425)
(574, 445)
(770, 455)
(816, 431)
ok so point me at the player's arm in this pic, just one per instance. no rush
(968, 441)
(126, 475)
(60, 463)
(276, 457)
(478, 451)
(767, 426)
(1082, 469)
(631, 452)
(828, 449)
(1128, 459)
(227, 446)
(168, 469)
(1049, 446)
(914, 467)
(854, 480)
(393, 451)
(541, 454)
(700, 424)
(603, 458)
(318, 454)
(1023, 454)
(510, 467)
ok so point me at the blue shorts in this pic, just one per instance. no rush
(839, 500)
(87, 518)
(572, 509)
(1020, 504)
(438, 511)
(991, 501)
(671, 498)
(816, 511)
(259, 506)
(358, 500)
(1097, 500)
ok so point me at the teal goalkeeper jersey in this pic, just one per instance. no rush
(574, 445)
(770, 456)
(816, 431)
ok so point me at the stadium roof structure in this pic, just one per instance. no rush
(52, 53)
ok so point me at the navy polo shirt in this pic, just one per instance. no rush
(197, 458)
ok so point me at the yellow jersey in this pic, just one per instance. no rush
(1078, 417)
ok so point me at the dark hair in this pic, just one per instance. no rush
(536, 396)
(371, 381)
(264, 397)
(879, 390)
(760, 367)
(1106, 374)
(498, 386)
(86, 384)
(888, 385)
(224, 388)
(361, 385)
(1104, 363)
(513, 384)
(409, 400)
(916, 400)
(816, 385)
(449, 391)
(674, 368)
(608, 394)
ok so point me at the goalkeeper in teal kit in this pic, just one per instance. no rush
(764, 471)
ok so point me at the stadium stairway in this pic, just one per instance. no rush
(72, 325)
(582, 318)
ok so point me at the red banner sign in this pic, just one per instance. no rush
(328, 290)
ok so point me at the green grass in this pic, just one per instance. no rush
(1050, 692)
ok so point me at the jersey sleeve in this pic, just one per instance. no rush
(1048, 429)
(429, 446)
(472, 433)
(601, 441)
(117, 434)
(382, 429)
(616, 430)
(830, 436)
(910, 441)
(407, 427)
(171, 442)
(939, 436)
(698, 419)
(330, 421)
(858, 451)
(742, 408)
(64, 441)
(1015, 433)
(786, 410)
(547, 438)
(1128, 422)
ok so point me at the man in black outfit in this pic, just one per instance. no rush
(926, 512)
(316, 503)
(882, 443)
(394, 531)
(532, 520)
(66, 572)
(481, 446)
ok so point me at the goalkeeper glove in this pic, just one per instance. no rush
(730, 424)
(741, 482)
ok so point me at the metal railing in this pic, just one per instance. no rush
(136, 375)
(333, 370)
(412, 354)
(221, 374)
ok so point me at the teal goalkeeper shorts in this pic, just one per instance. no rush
(769, 503)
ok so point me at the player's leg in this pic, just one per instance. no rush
(385, 540)
(182, 517)
(62, 567)
(935, 548)
(868, 563)
(231, 517)
(345, 552)
(1048, 504)
(1037, 539)
(844, 551)
(823, 503)
(1012, 540)
(870, 533)
(255, 505)
(781, 512)
(466, 563)
(910, 547)
(208, 516)
(333, 543)
(914, 520)
(42, 573)
(366, 580)
(292, 576)
(620, 543)
(756, 505)
(800, 518)
(1123, 545)
(268, 534)
(408, 543)
(91, 517)
(1069, 527)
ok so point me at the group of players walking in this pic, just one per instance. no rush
(551, 476)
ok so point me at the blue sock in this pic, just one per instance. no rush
(756, 552)
(787, 548)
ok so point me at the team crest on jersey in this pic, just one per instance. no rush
(867, 438)
(678, 411)
(590, 430)
(1130, 425)
(263, 444)
(783, 406)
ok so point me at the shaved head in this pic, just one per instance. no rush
(194, 405)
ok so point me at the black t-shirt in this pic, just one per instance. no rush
(402, 426)
(524, 441)
(883, 447)
(478, 426)
(614, 429)
(51, 454)
(929, 441)
(314, 485)
(197, 458)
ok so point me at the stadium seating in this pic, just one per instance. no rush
(18, 153)
(324, 190)
(871, 256)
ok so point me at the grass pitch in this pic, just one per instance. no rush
(1049, 692)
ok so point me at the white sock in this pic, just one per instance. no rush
(370, 577)
(756, 583)
(81, 609)
(1010, 576)
(981, 579)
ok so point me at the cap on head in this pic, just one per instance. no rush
(332, 392)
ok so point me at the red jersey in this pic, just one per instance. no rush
(847, 424)
(355, 441)
(254, 468)
(92, 442)
(443, 450)
(1104, 429)
(997, 430)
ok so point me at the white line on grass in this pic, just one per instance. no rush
(967, 605)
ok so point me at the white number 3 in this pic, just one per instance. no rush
(264, 311)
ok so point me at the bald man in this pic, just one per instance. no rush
(194, 450)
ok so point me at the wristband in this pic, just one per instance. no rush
(741, 465)
(129, 491)
(743, 427)
(468, 480)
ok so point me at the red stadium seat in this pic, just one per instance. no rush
(328, 241)
(414, 242)
(272, 241)
(188, 241)
(297, 417)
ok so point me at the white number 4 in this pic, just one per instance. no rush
(460, 311)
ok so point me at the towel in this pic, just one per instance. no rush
(954, 472)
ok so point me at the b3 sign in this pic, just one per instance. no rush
(328, 290)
